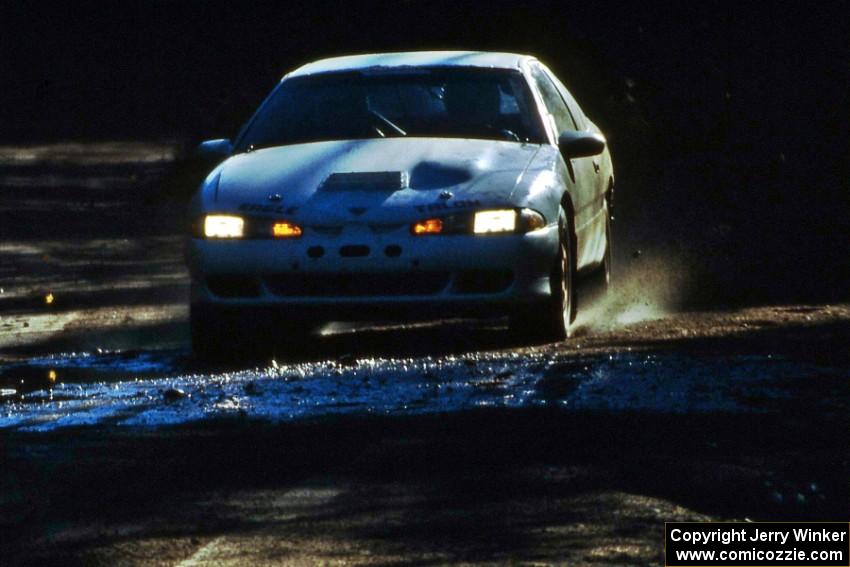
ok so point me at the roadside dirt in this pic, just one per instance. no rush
(458, 445)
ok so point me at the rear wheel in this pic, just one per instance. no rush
(551, 321)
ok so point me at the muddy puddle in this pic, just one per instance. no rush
(145, 389)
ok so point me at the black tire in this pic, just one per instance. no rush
(552, 320)
(599, 280)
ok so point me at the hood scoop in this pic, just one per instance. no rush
(371, 181)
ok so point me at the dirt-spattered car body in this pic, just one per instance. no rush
(400, 185)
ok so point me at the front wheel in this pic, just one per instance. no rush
(551, 321)
(599, 279)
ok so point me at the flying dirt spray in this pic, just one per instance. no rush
(644, 287)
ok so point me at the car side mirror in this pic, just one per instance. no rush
(580, 144)
(219, 148)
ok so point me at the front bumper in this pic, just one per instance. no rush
(359, 274)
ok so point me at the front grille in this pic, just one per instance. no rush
(357, 284)
(354, 251)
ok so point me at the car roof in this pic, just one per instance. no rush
(486, 59)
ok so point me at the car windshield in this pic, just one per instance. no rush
(422, 102)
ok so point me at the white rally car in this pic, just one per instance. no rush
(401, 185)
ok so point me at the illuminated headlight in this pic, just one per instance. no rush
(224, 226)
(502, 220)
(494, 221)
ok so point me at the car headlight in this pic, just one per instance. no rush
(224, 226)
(492, 221)
(486, 222)
(221, 226)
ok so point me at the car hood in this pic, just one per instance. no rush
(372, 180)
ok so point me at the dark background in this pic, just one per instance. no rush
(728, 124)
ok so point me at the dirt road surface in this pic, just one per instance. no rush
(450, 442)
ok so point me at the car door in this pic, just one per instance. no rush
(581, 169)
(583, 124)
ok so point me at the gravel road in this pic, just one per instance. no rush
(426, 444)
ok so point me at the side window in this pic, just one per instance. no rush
(553, 100)
(572, 105)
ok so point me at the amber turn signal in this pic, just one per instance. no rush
(286, 230)
(428, 226)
